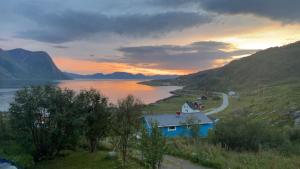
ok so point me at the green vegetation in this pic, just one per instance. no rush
(242, 142)
(272, 103)
(152, 147)
(96, 116)
(173, 104)
(215, 156)
(125, 123)
(45, 121)
(267, 67)
(84, 160)
(20, 64)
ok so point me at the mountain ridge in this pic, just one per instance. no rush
(117, 75)
(266, 67)
(21, 64)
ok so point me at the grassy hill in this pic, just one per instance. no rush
(267, 67)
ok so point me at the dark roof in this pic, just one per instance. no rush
(6, 164)
(192, 105)
(165, 120)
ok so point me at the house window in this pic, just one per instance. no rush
(172, 128)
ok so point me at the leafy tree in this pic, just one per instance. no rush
(43, 120)
(192, 124)
(96, 120)
(152, 147)
(126, 123)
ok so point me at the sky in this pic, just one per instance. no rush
(147, 36)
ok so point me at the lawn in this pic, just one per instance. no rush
(84, 160)
(173, 104)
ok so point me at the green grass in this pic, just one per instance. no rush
(84, 160)
(216, 157)
(272, 102)
(173, 104)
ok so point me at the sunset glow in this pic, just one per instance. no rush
(90, 67)
(141, 36)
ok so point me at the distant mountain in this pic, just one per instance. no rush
(266, 67)
(118, 75)
(20, 64)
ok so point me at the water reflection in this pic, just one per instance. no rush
(114, 89)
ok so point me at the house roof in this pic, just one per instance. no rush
(165, 120)
(191, 105)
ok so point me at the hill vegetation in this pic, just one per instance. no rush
(266, 67)
(118, 75)
(20, 64)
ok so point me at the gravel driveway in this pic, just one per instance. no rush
(171, 162)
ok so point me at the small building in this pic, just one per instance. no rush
(203, 97)
(231, 93)
(179, 125)
(190, 107)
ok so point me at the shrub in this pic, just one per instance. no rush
(244, 133)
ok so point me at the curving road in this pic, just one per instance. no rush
(224, 105)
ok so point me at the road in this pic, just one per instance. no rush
(224, 105)
(171, 162)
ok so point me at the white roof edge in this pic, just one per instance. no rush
(185, 124)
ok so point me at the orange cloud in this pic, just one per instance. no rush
(89, 67)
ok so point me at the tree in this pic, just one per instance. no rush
(43, 120)
(96, 120)
(194, 128)
(126, 122)
(4, 133)
(152, 147)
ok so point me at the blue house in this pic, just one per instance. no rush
(179, 125)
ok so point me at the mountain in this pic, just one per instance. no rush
(20, 64)
(118, 75)
(266, 67)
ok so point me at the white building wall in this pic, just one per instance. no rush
(185, 108)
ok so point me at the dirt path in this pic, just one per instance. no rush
(171, 162)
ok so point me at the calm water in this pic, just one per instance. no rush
(113, 89)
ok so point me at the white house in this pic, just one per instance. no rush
(231, 93)
(189, 107)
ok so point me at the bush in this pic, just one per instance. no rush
(244, 133)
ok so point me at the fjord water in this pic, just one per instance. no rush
(113, 89)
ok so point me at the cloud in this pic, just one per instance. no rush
(60, 47)
(4, 39)
(75, 25)
(282, 10)
(173, 3)
(196, 56)
(286, 11)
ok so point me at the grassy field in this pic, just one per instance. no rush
(272, 102)
(173, 104)
(84, 160)
(216, 157)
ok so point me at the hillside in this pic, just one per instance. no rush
(266, 67)
(20, 64)
(118, 75)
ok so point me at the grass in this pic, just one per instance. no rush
(272, 102)
(84, 160)
(173, 104)
(214, 156)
